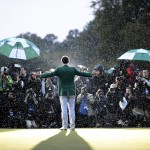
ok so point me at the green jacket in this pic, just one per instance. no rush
(66, 76)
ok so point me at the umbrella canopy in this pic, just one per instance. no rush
(136, 54)
(19, 48)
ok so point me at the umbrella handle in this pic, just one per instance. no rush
(17, 50)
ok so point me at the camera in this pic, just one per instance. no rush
(83, 90)
(138, 78)
(112, 89)
(100, 92)
(50, 93)
(120, 78)
(30, 91)
(5, 72)
(139, 81)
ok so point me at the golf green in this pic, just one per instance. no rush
(81, 139)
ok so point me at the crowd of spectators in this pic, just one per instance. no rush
(117, 99)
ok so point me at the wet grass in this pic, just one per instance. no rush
(81, 139)
(7, 130)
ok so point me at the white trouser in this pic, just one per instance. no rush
(67, 102)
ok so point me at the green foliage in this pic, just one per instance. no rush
(135, 35)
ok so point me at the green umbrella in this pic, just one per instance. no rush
(19, 48)
(136, 54)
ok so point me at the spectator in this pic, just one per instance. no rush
(30, 108)
(99, 81)
(24, 76)
(5, 80)
(138, 110)
(99, 108)
(86, 114)
(112, 104)
(5, 87)
(121, 85)
(131, 74)
(34, 84)
(40, 83)
(127, 113)
(52, 108)
(143, 83)
(82, 81)
(17, 86)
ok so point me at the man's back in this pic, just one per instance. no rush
(66, 76)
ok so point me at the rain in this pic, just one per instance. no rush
(118, 97)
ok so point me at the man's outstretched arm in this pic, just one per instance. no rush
(47, 75)
(87, 74)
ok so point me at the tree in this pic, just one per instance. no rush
(108, 22)
(135, 36)
(49, 41)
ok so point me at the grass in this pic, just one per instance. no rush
(81, 139)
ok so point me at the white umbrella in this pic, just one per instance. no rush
(136, 54)
(19, 48)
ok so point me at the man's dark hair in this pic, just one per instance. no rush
(65, 59)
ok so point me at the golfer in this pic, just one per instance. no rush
(66, 91)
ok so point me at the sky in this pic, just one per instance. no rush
(43, 17)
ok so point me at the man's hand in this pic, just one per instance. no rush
(37, 76)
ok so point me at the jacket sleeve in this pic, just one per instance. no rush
(47, 75)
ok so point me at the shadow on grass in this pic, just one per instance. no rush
(61, 141)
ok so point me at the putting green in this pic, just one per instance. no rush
(81, 139)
